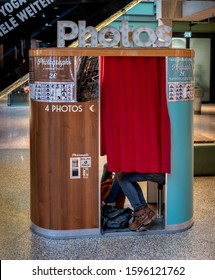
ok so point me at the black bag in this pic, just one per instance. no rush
(114, 218)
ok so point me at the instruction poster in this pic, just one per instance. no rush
(180, 79)
(53, 78)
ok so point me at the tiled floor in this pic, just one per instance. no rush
(204, 123)
(18, 242)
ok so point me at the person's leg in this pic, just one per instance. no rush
(114, 193)
(131, 178)
(139, 193)
(135, 194)
(132, 190)
(126, 181)
(140, 177)
(154, 177)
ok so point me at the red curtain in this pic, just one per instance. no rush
(135, 125)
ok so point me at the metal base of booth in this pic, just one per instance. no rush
(157, 227)
(65, 234)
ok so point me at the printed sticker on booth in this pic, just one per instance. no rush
(86, 162)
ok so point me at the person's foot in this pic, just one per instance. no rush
(141, 219)
(151, 214)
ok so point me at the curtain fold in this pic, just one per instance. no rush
(135, 125)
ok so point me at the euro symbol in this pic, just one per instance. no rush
(92, 108)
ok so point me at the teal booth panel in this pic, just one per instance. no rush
(179, 194)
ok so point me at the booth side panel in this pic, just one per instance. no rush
(64, 165)
(179, 208)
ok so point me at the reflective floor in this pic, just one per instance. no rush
(18, 242)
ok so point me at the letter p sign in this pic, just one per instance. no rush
(63, 34)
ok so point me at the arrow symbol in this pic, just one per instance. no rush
(91, 108)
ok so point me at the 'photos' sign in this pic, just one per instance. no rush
(127, 36)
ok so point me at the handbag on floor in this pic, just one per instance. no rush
(113, 218)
